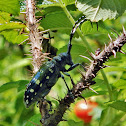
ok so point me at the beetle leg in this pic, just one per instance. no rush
(67, 74)
(91, 24)
(69, 91)
(97, 25)
(65, 82)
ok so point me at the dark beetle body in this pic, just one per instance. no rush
(49, 72)
(46, 78)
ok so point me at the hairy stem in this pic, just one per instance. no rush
(34, 37)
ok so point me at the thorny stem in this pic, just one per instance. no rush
(87, 45)
(87, 78)
(34, 37)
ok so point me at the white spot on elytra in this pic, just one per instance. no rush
(47, 77)
(51, 70)
(41, 85)
(37, 82)
(27, 101)
(31, 90)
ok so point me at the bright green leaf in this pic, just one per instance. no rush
(120, 84)
(9, 35)
(87, 94)
(13, 36)
(4, 17)
(96, 10)
(110, 69)
(10, 6)
(34, 120)
(11, 25)
(68, 2)
(11, 85)
(49, 8)
(119, 105)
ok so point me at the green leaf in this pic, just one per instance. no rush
(13, 36)
(100, 85)
(112, 68)
(76, 51)
(10, 6)
(119, 105)
(20, 38)
(73, 123)
(107, 116)
(19, 63)
(68, 2)
(87, 94)
(49, 8)
(122, 94)
(11, 85)
(96, 10)
(87, 28)
(34, 120)
(4, 17)
(57, 21)
(120, 84)
(11, 25)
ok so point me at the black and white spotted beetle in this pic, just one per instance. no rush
(50, 71)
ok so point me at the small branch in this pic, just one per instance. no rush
(35, 39)
(86, 80)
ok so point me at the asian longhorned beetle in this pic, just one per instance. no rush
(50, 71)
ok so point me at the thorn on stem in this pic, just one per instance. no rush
(124, 31)
(97, 52)
(86, 58)
(110, 37)
(83, 98)
(115, 32)
(93, 56)
(114, 53)
(122, 52)
(93, 90)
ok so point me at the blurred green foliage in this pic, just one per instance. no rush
(15, 65)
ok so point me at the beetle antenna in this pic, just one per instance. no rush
(76, 25)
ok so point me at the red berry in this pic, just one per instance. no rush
(82, 110)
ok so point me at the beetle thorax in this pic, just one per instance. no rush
(63, 59)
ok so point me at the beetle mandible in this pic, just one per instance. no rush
(50, 71)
